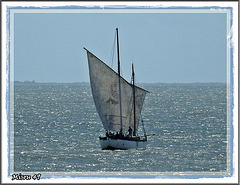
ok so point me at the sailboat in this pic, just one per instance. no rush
(118, 103)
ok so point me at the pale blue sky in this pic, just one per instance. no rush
(164, 47)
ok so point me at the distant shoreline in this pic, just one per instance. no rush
(88, 83)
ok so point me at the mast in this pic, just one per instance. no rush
(134, 104)
(119, 77)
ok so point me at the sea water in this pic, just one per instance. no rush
(57, 129)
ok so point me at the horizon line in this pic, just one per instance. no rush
(36, 82)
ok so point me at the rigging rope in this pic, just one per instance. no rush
(113, 50)
(144, 131)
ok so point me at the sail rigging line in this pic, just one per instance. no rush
(144, 131)
(119, 81)
(113, 50)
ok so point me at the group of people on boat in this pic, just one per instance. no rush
(120, 134)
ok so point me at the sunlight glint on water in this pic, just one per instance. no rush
(57, 129)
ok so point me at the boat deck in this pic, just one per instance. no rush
(141, 138)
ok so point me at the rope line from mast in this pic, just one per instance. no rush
(113, 50)
(144, 131)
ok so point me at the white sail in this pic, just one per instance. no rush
(105, 91)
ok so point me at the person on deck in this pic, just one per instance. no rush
(130, 131)
(117, 135)
(121, 134)
(107, 133)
